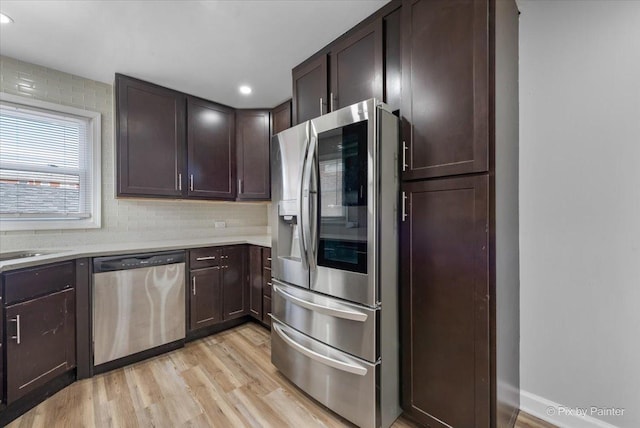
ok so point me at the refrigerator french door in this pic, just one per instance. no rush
(334, 260)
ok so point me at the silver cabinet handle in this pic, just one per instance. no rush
(268, 258)
(268, 283)
(331, 100)
(17, 336)
(179, 181)
(404, 156)
(191, 182)
(320, 106)
(350, 368)
(193, 287)
(338, 313)
(205, 258)
(404, 206)
(239, 186)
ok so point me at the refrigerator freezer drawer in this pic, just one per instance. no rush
(348, 327)
(345, 384)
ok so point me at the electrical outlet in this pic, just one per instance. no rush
(219, 224)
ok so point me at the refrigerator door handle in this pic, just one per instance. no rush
(350, 368)
(338, 313)
(302, 221)
(307, 201)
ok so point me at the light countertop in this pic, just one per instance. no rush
(98, 250)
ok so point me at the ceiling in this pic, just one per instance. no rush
(204, 48)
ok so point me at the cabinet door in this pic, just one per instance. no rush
(211, 154)
(444, 289)
(310, 90)
(392, 62)
(356, 67)
(206, 298)
(255, 282)
(266, 286)
(445, 104)
(1, 355)
(150, 139)
(40, 341)
(235, 290)
(281, 118)
(253, 137)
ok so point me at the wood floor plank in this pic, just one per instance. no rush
(225, 380)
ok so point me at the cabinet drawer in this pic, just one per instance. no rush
(266, 257)
(30, 283)
(345, 326)
(204, 257)
(345, 384)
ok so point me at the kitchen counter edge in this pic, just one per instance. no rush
(100, 250)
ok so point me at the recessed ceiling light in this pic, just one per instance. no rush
(5, 19)
(245, 90)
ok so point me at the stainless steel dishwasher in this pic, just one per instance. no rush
(138, 303)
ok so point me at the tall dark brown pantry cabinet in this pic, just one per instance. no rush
(459, 228)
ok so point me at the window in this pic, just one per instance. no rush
(49, 165)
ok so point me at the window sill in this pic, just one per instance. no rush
(26, 225)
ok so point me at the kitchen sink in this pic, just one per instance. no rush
(22, 254)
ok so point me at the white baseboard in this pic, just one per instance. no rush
(558, 414)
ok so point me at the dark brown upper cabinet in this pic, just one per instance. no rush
(211, 155)
(356, 67)
(150, 132)
(173, 145)
(445, 102)
(281, 117)
(392, 59)
(252, 145)
(310, 83)
(445, 287)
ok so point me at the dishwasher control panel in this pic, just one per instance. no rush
(134, 261)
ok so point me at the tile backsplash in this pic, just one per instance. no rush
(123, 220)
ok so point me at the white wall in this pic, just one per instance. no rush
(123, 220)
(580, 207)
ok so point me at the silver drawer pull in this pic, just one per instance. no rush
(17, 336)
(206, 258)
(350, 368)
(338, 313)
(268, 259)
(270, 284)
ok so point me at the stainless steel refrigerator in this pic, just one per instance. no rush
(334, 261)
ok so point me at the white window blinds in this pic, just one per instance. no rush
(45, 164)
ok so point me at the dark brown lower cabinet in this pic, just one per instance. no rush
(266, 286)
(255, 281)
(260, 284)
(1, 359)
(445, 300)
(235, 293)
(40, 341)
(206, 298)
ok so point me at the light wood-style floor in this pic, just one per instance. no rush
(225, 380)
